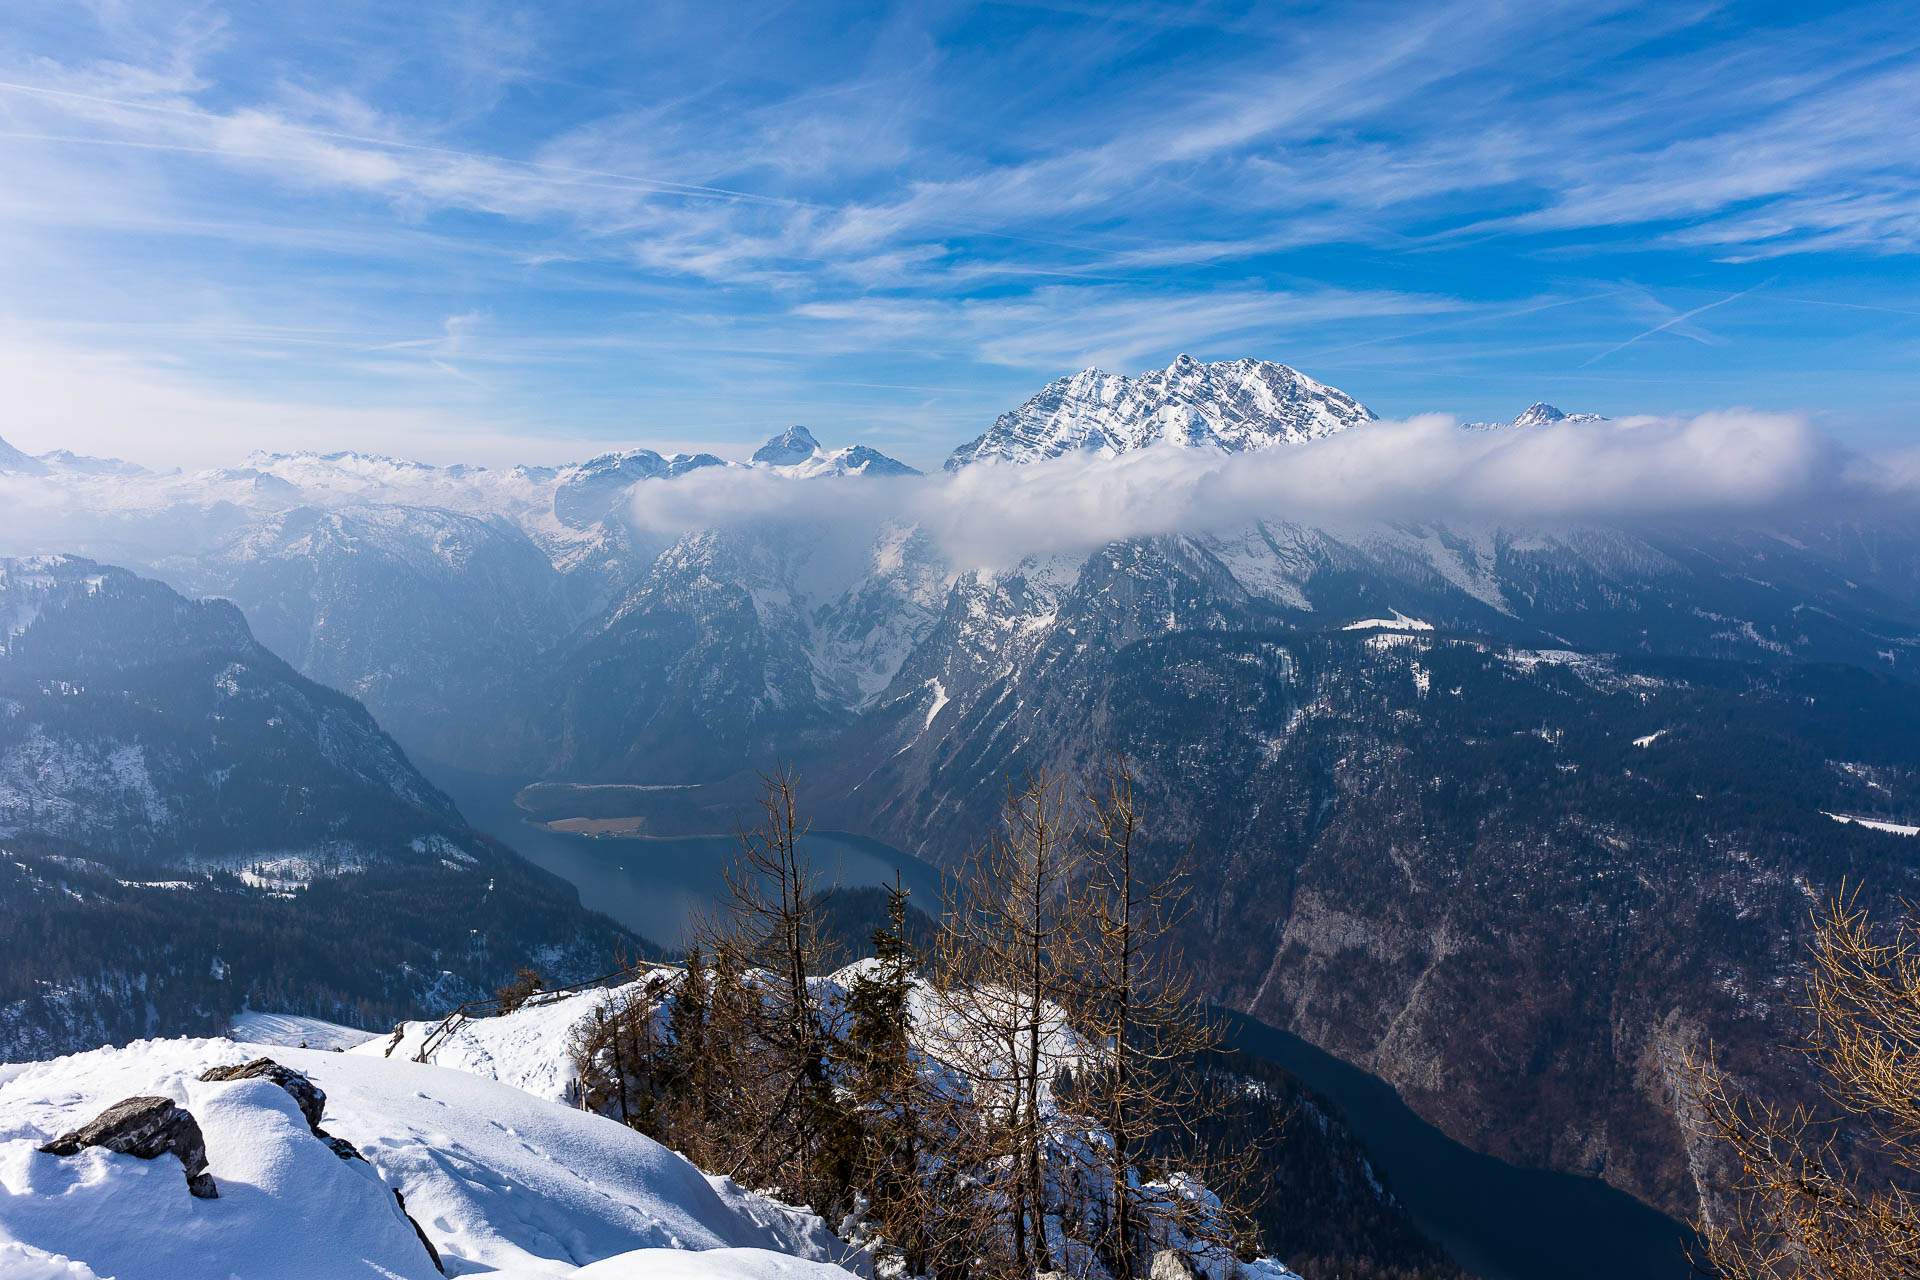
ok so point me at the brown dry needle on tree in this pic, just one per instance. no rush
(1016, 1131)
(790, 1137)
(1799, 1207)
(1003, 958)
(523, 986)
(929, 1209)
(616, 1054)
(1135, 1002)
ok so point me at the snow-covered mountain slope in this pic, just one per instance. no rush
(14, 460)
(588, 492)
(67, 460)
(500, 1182)
(1345, 785)
(553, 504)
(187, 824)
(707, 658)
(63, 462)
(1235, 405)
(294, 1031)
(426, 615)
(796, 453)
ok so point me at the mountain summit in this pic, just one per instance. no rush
(795, 452)
(1232, 405)
(1537, 414)
(795, 444)
(1540, 414)
(12, 459)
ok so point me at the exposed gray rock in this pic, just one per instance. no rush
(145, 1127)
(1171, 1264)
(312, 1101)
(432, 1252)
(795, 444)
(310, 1096)
(339, 1146)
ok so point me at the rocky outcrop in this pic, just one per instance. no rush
(310, 1097)
(312, 1101)
(1171, 1264)
(145, 1127)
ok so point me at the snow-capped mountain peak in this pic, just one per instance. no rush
(1537, 414)
(67, 460)
(1231, 405)
(12, 459)
(795, 444)
(795, 452)
(1540, 414)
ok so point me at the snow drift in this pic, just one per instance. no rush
(502, 1183)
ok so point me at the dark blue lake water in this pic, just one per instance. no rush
(661, 886)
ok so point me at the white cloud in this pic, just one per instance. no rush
(1718, 465)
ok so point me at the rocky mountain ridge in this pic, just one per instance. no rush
(62, 461)
(1232, 405)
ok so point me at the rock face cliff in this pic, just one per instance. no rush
(1514, 881)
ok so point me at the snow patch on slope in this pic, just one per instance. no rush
(1398, 622)
(1875, 824)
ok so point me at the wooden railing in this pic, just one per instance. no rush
(491, 1006)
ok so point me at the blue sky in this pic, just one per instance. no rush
(513, 232)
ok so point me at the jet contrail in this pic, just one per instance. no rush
(1671, 321)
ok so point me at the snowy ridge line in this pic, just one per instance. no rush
(528, 1050)
(490, 1006)
(499, 1181)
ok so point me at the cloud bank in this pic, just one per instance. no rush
(1731, 464)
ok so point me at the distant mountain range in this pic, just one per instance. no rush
(1511, 816)
(60, 461)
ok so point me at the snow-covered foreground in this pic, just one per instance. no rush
(503, 1183)
(497, 1170)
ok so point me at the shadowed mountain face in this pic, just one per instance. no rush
(1516, 883)
(156, 729)
(190, 826)
(1509, 815)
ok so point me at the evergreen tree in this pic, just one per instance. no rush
(688, 1069)
(882, 1082)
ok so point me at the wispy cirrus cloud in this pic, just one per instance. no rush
(938, 196)
(1058, 327)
